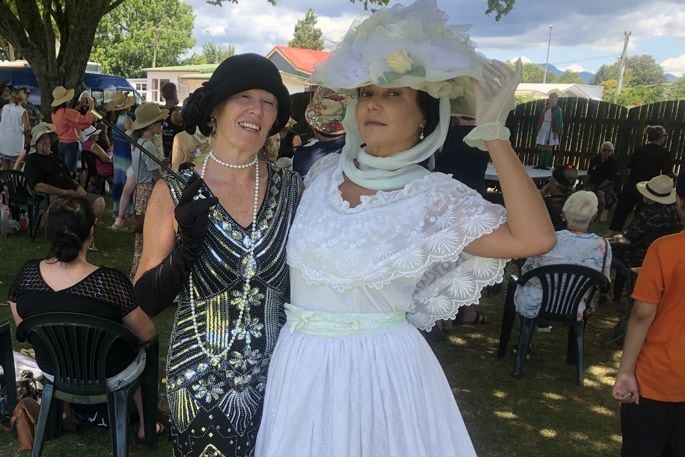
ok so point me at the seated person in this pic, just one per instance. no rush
(650, 382)
(47, 174)
(557, 190)
(575, 246)
(324, 114)
(67, 282)
(657, 218)
(601, 175)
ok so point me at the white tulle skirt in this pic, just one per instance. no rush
(382, 394)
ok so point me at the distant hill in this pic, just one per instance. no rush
(671, 77)
(586, 76)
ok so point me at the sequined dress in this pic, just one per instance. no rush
(216, 395)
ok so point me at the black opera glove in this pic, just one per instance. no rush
(157, 287)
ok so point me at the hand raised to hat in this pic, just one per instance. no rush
(494, 100)
(192, 212)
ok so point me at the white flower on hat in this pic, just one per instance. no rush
(399, 61)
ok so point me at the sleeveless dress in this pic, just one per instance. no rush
(216, 402)
(351, 374)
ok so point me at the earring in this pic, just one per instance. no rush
(420, 132)
(212, 124)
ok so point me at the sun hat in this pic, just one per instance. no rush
(326, 110)
(236, 74)
(41, 129)
(61, 95)
(402, 46)
(658, 189)
(120, 101)
(147, 114)
(88, 132)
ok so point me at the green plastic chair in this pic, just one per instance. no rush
(7, 363)
(78, 346)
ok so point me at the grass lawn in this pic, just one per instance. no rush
(544, 413)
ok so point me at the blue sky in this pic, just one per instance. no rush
(585, 33)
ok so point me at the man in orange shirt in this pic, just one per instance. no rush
(650, 383)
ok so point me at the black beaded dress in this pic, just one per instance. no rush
(218, 357)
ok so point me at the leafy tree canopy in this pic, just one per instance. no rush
(143, 34)
(533, 73)
(640, 70)
(569, 77)
(307, 35)
(211, 53)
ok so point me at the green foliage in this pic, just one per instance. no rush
(633, 95)
(640, 70)
(534, 73)
(500, 7)
(676, 90)
(307, 35)
(126, 38)
(569, 77)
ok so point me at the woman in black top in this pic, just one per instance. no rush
(648, 161)
(67, 282)
(600, 178)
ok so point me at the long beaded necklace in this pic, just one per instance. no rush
(248, 263)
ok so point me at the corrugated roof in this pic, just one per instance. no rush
(202, 68)
(302, 60)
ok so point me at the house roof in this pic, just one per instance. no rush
(302, 60)
(203, 68)
(566, 90)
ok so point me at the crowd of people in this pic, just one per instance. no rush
(303, 272)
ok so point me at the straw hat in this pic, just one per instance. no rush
(41, 129)
(88, 132)
(120, 102)
(658, 189)
(326, 110)
(61, 95)
(147, 114)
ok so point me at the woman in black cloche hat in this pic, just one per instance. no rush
(219, 244)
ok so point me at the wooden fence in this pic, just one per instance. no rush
(588, 123)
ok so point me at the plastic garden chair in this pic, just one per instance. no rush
(22, 197)
(78, 346)
(563, 288)
(7, 363)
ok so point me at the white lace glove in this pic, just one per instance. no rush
(494, 101)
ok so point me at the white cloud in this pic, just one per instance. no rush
(574, 67)
(675, 65)
(524, 59)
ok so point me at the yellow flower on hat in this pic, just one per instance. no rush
(399, 61)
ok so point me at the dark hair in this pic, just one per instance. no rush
(655, 132)
(565, 176)
(59, 107)
(431, 109)
(68, 225)
(168, 90)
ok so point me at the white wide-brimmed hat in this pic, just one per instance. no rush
(88, 132)
(658, 189)
(61, 95)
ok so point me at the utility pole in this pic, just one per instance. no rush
(549, 43)
(624, 56)
(155, 33)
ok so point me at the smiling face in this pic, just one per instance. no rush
(43, 144)
(244, 120)
(389, 119)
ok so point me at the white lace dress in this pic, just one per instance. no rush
(351, 376)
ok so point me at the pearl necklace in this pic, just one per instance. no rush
(239, 166)
(249, 269)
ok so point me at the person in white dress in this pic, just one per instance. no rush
(14, 125)
(380, 247)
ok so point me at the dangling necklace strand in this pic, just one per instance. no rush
(248, 267)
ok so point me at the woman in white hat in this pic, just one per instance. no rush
(148, 123)
(380, 247)
(117, 109)
(68, 122)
